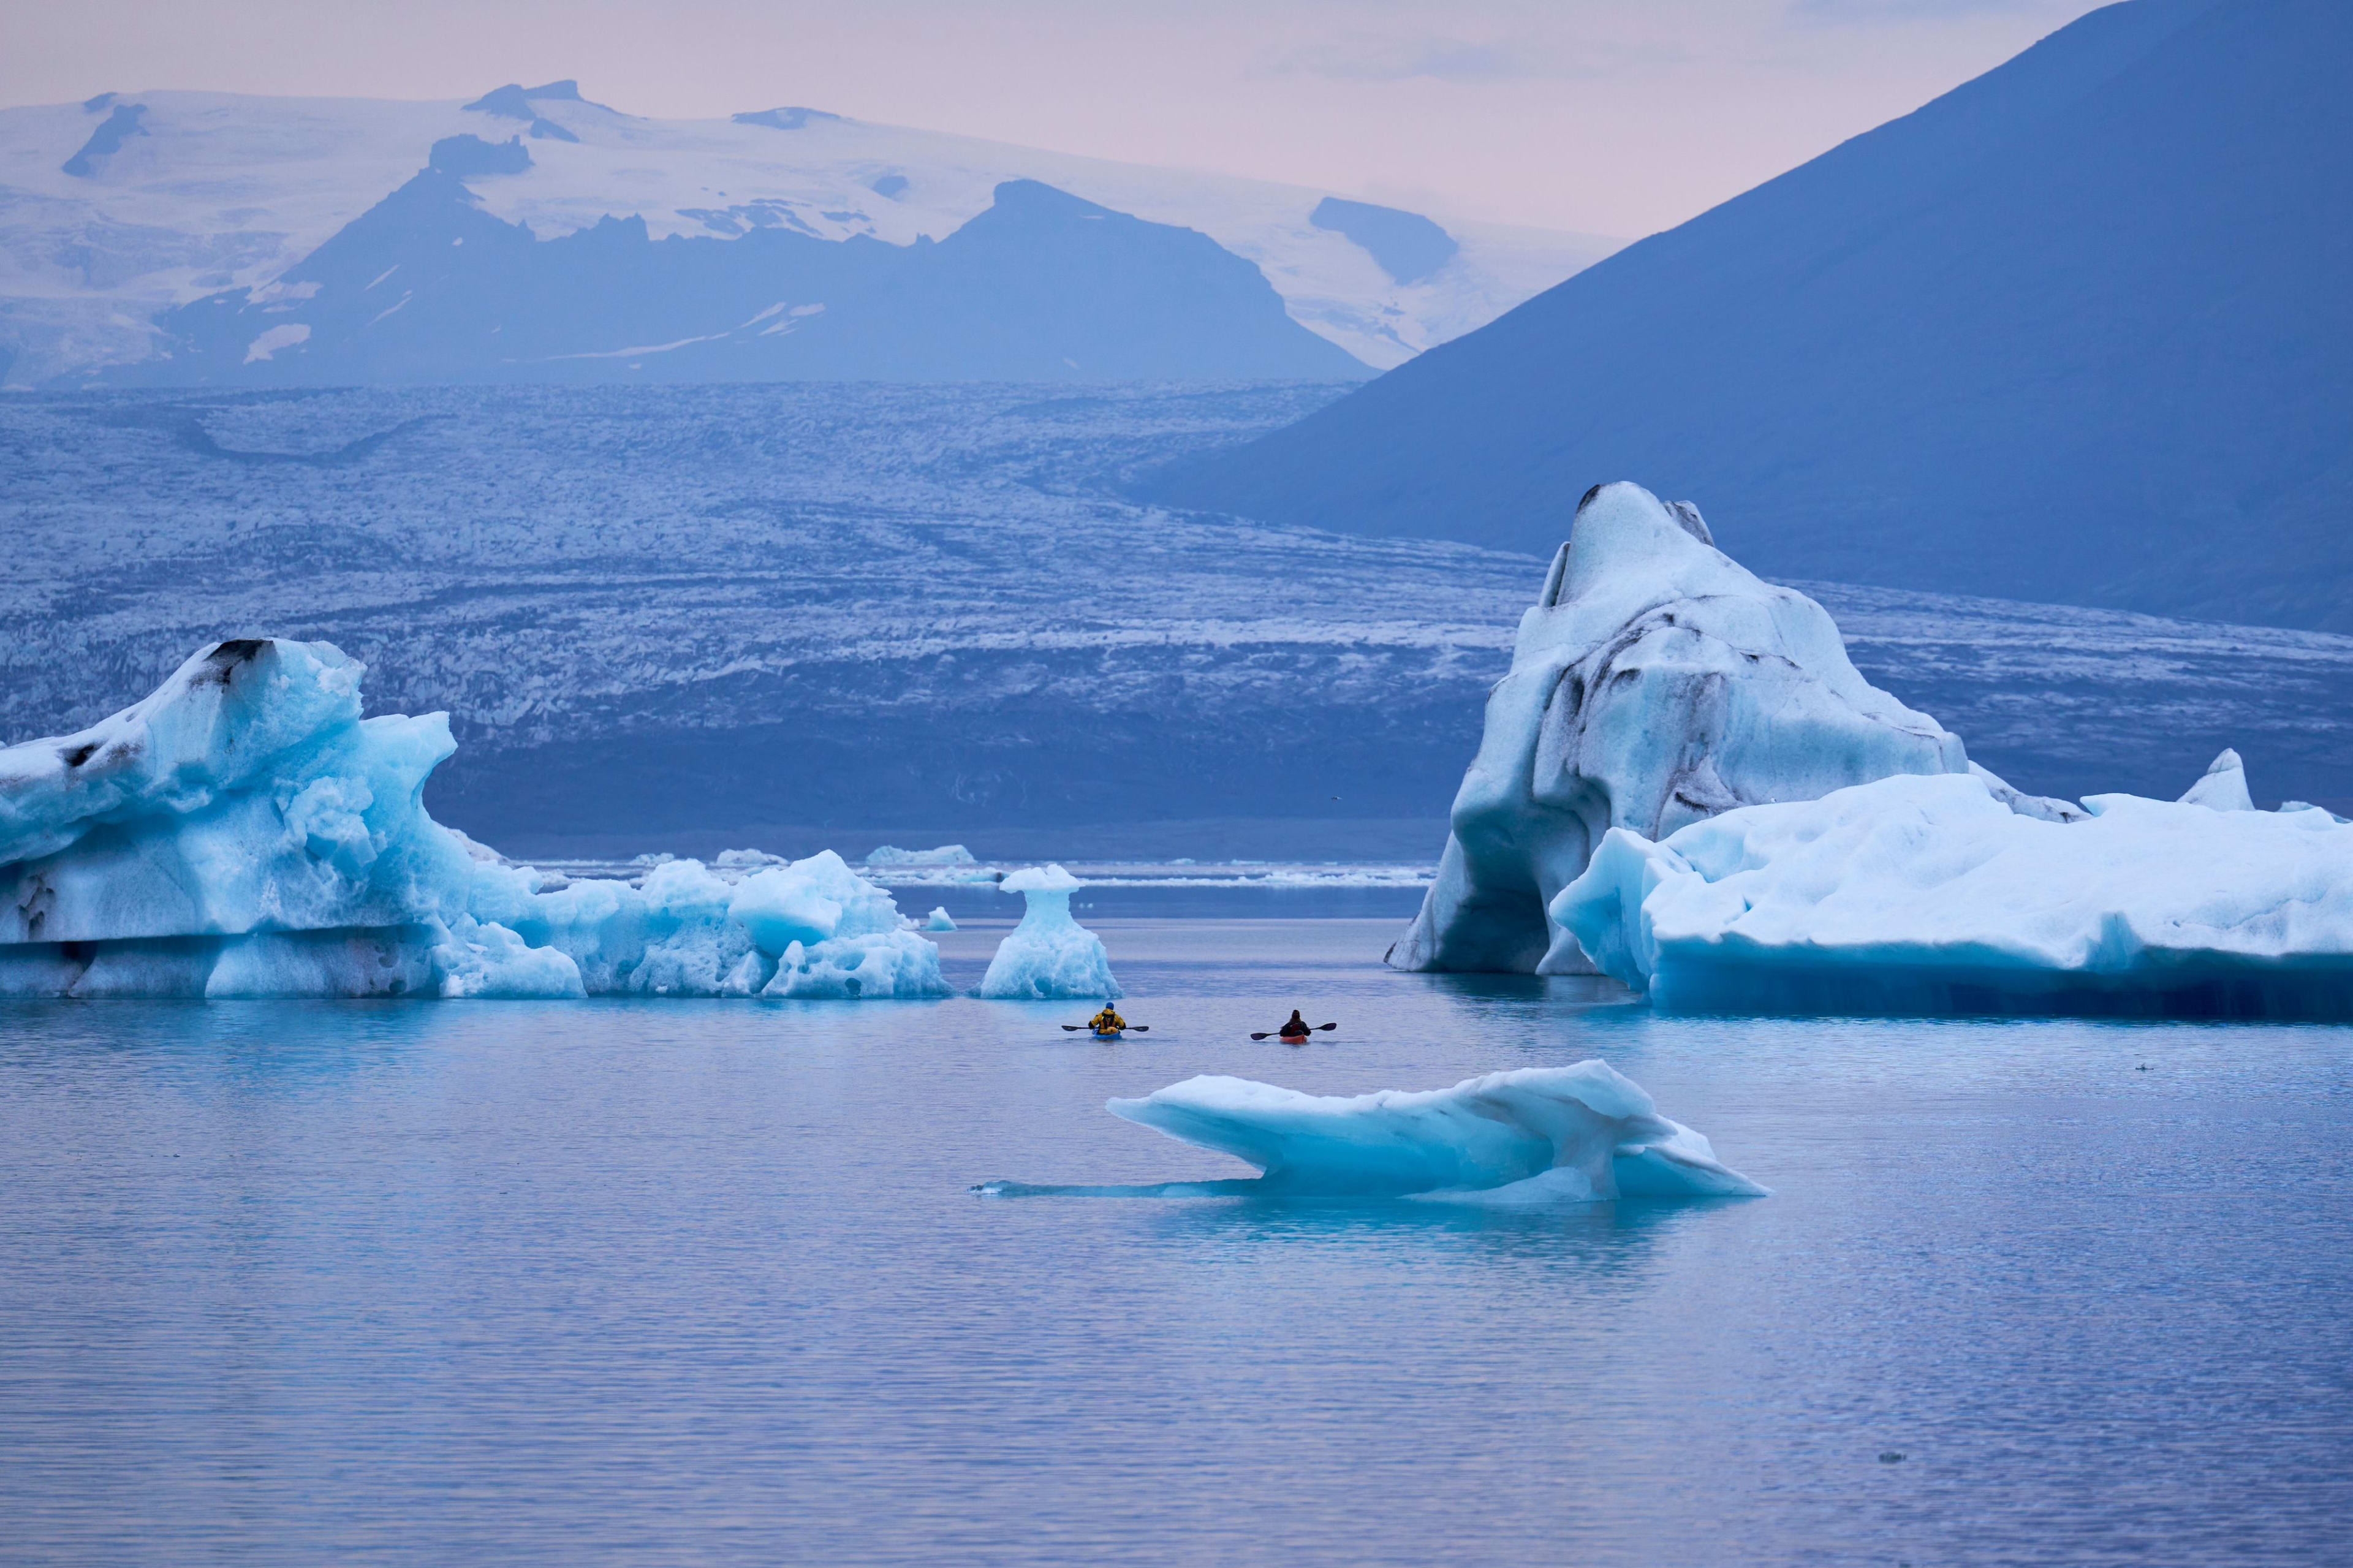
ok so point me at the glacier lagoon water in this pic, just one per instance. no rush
(666, 1282)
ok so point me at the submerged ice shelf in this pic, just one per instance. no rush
(1574, 1134)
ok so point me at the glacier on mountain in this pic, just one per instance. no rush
(1537, 1135)
(1049, 955)
(1656, 682)
(221, 192)
(1927, 895)
(244, 831)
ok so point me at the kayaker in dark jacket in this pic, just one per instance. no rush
(1293, 1028)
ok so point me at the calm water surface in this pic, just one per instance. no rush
(687, 1282)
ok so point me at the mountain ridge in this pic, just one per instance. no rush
(218, 192)
(2098, 284)
(428, 287)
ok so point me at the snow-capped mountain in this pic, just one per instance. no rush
(427, 287)
(118, 209)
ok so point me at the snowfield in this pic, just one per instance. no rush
(206, 192)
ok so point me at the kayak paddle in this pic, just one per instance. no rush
(1132, 1028)
(1271, 1034)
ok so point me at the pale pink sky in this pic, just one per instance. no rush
(1609, 116)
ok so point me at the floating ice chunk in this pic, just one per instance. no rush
(814, 928)
(243, 831)
(2224, 788)
(1583, 1133)
(1655, 683)
(476, 960)
(247, 793)
(861, 968)
(941, 919)
(1048, 954)
(946, 854)
(1926, 895)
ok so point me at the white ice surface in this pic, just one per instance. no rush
(946, 854)
(2224, 788)
(243, 831)
(1582, 1134)
(1049, 955)
(1891, 894)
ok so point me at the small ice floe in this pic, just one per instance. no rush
(946, 854)
(1536, 1136)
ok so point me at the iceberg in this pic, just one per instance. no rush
(946, 854)
(2224, 788)
(245, 794)
(810, 928)
(1928, 895)
(245, 832)
(1049, 955)
(1655, 683)
(940, 919)
(1576, 1134)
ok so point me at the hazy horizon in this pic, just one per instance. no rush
(1584, 116)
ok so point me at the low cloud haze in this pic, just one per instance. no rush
(1593, 115)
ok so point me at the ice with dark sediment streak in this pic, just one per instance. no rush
(1655, 683)
(1537, 1135)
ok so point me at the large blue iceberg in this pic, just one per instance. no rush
(245, 832)
(1655, 682)
(1685, 785)
(1540, 1135)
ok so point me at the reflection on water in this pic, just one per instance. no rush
(305, 1283)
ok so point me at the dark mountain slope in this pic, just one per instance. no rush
(428, 287)
(2078, 332)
